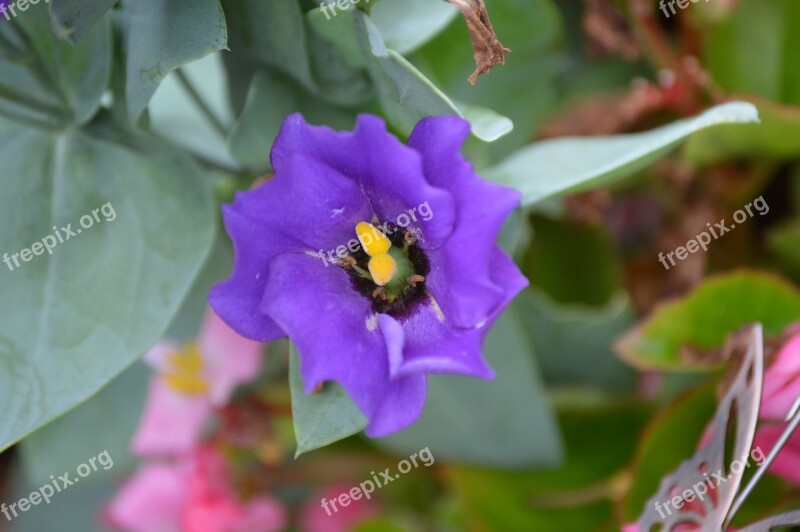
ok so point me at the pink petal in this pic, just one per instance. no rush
(172, 422)
(782, 381)
(230, 359)
(263, 514)
(151, 501)
(218, 514)
(787, 463)
(315, 518)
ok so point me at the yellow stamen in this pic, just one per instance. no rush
(185, 371)
(382, 268)
(373, 241)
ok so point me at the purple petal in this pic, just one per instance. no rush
(338, 339)
(462, 277)
(389, 172)
(426, 344)
(307, 206)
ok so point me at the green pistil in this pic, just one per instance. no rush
(405, 269)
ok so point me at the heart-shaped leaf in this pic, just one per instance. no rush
(131, 244)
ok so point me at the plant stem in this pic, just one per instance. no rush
(201, 104)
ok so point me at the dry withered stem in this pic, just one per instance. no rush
(488, 50)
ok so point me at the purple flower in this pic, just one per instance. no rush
(378, 260)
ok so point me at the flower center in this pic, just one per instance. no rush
(184, 372)
(389, 268)
(382, 266)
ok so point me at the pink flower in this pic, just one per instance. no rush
(189, 382)
(781, 388)
(192, 494)
(316, 519)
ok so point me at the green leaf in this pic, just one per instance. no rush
(486, 124)
(672, 337)
(78, 74)
(599, 442)
(753, 50)
(668, 440)
(408, 24)
(574, 343)
(72, 19)
(470, 420)
(162, 35)
(80, 316)
(405, 94)
(567, 165)
(272, 97)
(271, 34)
(777, 137)
(784, 242)
(106, 422)
(573, 262)
(530, 84)
(322, 418)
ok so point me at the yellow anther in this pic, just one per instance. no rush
(185, 371)
(373, 241)
(382, 268)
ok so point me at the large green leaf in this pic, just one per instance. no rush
(471, 420)
(72, 19)
(78, 435)
(64, 443)
(674, 336)
(162, 35)
(73, 320)
(574, 342)
(324, 417)
(567, 165)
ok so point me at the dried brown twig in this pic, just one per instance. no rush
(488, 50)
